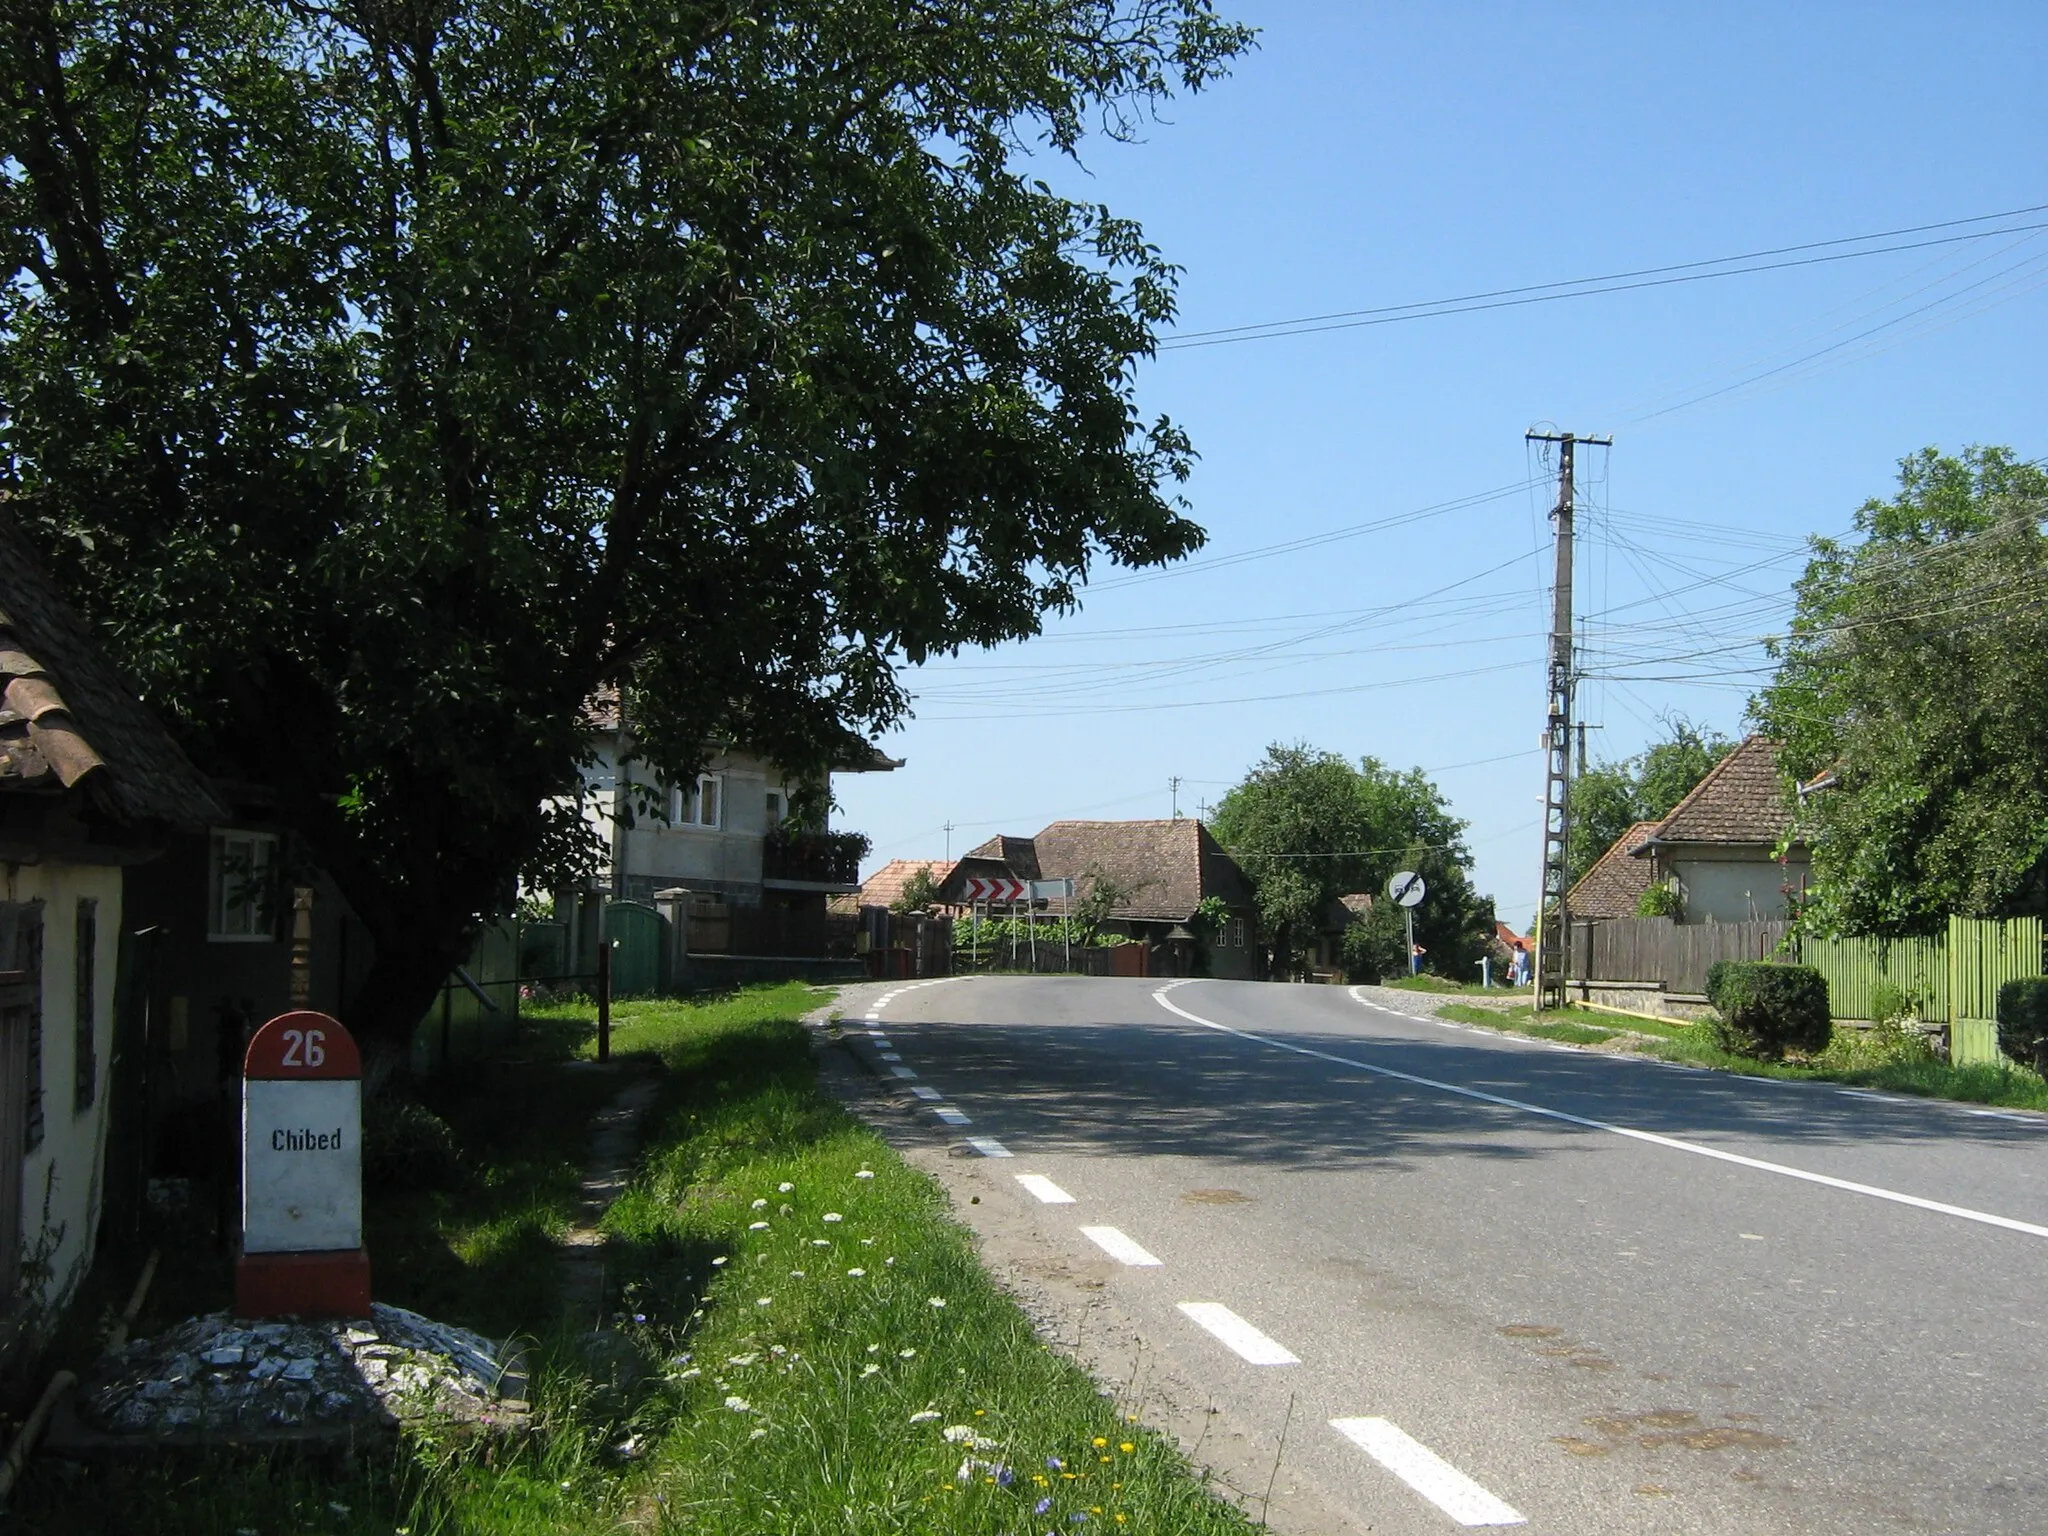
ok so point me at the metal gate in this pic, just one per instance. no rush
(639, 939)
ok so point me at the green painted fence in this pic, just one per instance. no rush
(1953, 979)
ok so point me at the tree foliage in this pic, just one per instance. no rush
(386, 378)
(1916, 670)
(1307, 827)
(920, 892)
(1610, 797)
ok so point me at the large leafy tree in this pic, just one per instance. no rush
(1610, 797)
(1308, 827)
(1916, 671)
(388, 375)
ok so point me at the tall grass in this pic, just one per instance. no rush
(801, 1340)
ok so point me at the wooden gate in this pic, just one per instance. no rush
(639, 938)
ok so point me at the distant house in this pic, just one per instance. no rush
(91, 785)
(1618, 880)
(885, 887)
(1165, 870)
(1719, 847)
(759, 881)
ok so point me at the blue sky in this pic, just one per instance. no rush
(1390, 154)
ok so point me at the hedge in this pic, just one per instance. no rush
(2023, 1021)
(1767, 1009)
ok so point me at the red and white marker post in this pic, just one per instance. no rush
(302, 1173)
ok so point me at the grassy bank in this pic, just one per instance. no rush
(1854, 1058)
(801, 1341)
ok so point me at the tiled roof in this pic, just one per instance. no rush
(884, 888)
(1016, 854)
(1614, 886)
(67, 719)
(1743, 800)
(1169, 867)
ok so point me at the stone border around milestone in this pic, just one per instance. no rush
(218, 1381)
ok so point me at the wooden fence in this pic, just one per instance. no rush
(1658, 951)
(1952, 978)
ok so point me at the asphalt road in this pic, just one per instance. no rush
(1513, 1281)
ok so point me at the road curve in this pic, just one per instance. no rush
(1484, 1281)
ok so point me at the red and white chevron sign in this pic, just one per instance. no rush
(995, 888)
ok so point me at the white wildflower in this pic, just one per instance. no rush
(832, 1216)
(691, 1374)
(874, 1349)
(871, 1369)
(719, 1262)
(759, 1434)
(959, 1434)
(747, 1359)
(925, 1417)
(906, 1354)
(865, 1173)
(796, 1274)
(760, 1205)
(936, 1301)
(757, 1226)
(855, 1274)
(867, 1242)
(784, 1187)
(739, 1405)
(763, 1301)
(821, 1242)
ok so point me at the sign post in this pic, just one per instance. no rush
(302, 1173)
(1406, 890)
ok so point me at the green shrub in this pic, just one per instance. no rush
(1661, 900)
(406, 1145)
(1766, 1009)
(1892, 1005)
(2023, 1021)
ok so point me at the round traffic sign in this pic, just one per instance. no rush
(1406, 889)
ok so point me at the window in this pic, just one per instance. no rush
(85, 959)
(242, 898)
(703, 806)
(778, 807)
(1230, 933)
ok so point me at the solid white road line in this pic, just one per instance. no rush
(1119, 1247)
(988, 1146)
(1783, 1170)
(1238, 1334)
(1047, 1192)
(929, 1095)
(1427, 1473)
(950, 1115)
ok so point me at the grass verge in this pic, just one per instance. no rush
(1854, 1059)
(801, 1339)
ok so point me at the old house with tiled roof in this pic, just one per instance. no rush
(1617, 882)
(91, 786)
(1720, 843)
(1719, 846)
(1164, 870)
(885, 887)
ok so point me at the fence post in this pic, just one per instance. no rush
(604, 999)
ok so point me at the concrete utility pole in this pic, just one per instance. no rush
(1553, 924)
(949, 842)
(1173, 784)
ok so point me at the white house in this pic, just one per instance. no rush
(90, 784)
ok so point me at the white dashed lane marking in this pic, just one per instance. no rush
(902, 1071)
(1120, 1247)
(1427, 1473)
(1048, 1193)
(951, 1116)
(1237, 1334)
(988, 1146)
(929, 1095)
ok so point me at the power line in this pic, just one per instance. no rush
(1615, 282)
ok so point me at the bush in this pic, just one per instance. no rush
(2023, 1021)
(1767, 1009)
(406, 1145)
(1891, 1005)
(1661, 900)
